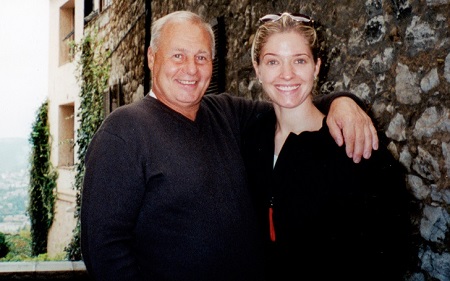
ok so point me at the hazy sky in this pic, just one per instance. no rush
(23, 64)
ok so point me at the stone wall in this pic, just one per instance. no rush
(395, 55)
(126, 38)
(122, 28)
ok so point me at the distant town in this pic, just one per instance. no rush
(14, 182)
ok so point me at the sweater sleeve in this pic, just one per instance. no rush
(112, 193)
(241, 112)
(323, 102)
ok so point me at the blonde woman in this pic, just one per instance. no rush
(323, 216)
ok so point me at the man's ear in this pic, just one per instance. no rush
(150, 58)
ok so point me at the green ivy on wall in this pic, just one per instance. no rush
(42, 183)
(93, 69)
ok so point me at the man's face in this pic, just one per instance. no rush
(181, 67)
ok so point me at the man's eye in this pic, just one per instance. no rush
(202, 59)
(177, 56)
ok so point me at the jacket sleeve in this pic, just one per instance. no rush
(390, 221)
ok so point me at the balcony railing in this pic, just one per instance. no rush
(44, 270)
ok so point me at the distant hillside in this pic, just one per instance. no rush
(14, 154)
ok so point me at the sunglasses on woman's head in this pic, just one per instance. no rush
(296, 17)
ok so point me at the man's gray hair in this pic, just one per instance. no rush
(180, 16)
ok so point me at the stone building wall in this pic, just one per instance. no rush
(395, 55)
(122, 28)
(127, 36)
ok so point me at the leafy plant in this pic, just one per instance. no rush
(4, 248)
(20, 248)
(93, 69)
(42, 183)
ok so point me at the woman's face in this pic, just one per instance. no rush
(287, 69)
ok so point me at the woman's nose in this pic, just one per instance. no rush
(286, 72)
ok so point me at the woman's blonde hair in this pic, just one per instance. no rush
(285, 23)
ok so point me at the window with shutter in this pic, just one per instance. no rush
(217, 84)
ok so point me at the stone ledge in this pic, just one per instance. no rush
(43, 270)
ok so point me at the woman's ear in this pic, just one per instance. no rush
(317, 67)
(256, 68)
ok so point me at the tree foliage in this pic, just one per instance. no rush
(4, 248)
(42, 182)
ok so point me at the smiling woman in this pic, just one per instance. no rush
(24, 57)
(299, 178)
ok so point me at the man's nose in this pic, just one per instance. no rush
(190, 66)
